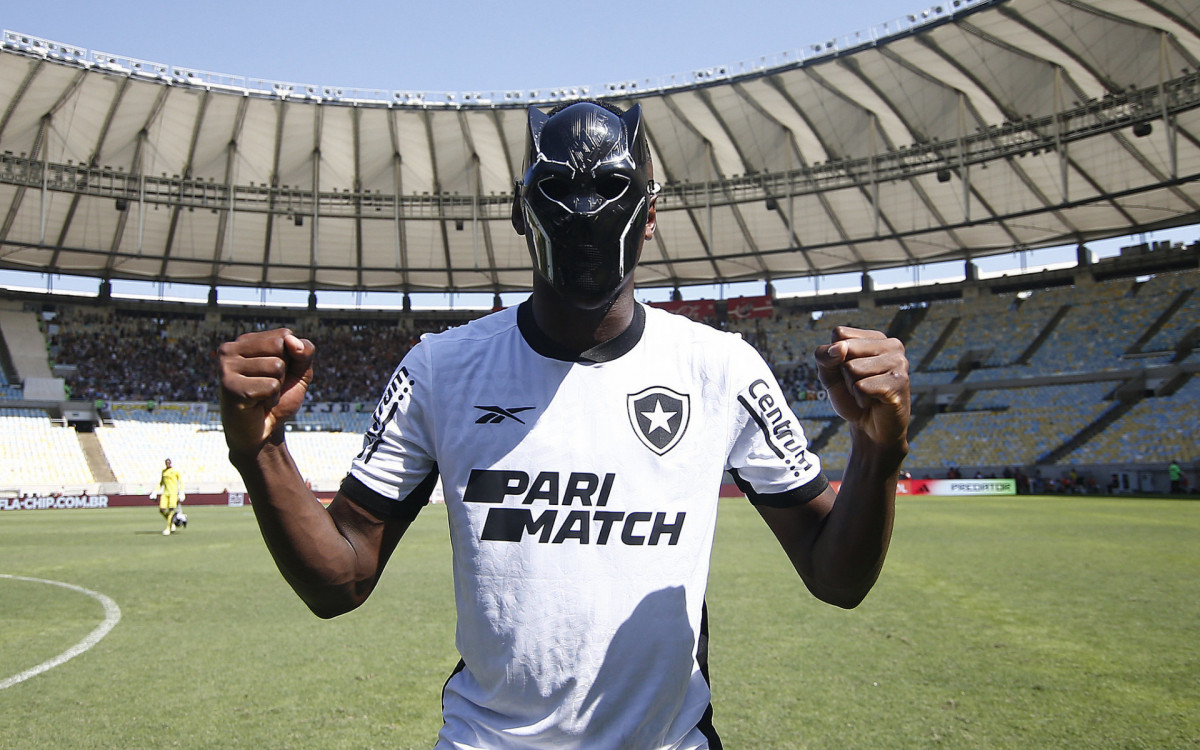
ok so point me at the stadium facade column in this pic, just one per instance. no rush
(1083, 265)
(971, 288)
(866, 297)
(1083, 256)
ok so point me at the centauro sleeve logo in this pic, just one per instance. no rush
(784, 439)
(659, 417)
(397, 390)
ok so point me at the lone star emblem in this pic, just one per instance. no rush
(659, 417)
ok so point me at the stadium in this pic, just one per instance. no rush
(985, 180)
(858, 159)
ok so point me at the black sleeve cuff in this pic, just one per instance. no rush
(405, 508)
(789, 499)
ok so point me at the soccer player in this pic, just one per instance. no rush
(581, 439)
(170, 494)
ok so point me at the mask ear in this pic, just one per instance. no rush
(632, 119)
(537, 121)
(518, 216)
(533, 146)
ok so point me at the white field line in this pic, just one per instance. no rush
(112, 615)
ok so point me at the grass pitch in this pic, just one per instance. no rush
(1028, 622)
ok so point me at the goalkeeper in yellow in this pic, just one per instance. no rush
(170, 493)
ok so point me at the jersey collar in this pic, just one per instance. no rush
(606, 351)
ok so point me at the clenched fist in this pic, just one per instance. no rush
(264, 376)
(866, 376)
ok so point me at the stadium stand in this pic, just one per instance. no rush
(1013, 427)
(935, 327)
(998, 332)
(322, 442)
(8, 391)
(1151, 432)
(1074, 372)
(35, 450)
(187, 438)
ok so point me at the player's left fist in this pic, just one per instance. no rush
(866, 376)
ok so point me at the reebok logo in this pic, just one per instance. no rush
(552, 526)
(497, 414)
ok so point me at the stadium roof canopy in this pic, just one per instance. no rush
(972, 128)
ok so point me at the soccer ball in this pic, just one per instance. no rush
(181, 520)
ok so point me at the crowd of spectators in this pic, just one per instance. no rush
(800, 382)
(147, 358)
(354, 363)
(795, 370)
(134, 359)
(155, 358)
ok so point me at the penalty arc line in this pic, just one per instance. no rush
(112, 615)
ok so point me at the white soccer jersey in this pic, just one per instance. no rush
(582, 498)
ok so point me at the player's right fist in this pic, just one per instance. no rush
(264, 376)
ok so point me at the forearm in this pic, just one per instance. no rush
(849, 551)
(310, 550)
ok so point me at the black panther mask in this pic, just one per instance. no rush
(585, 197)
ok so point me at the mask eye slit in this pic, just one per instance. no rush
(611, 186)
(555, 188)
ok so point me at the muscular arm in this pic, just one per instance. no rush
(837, 542)
(332, 558)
